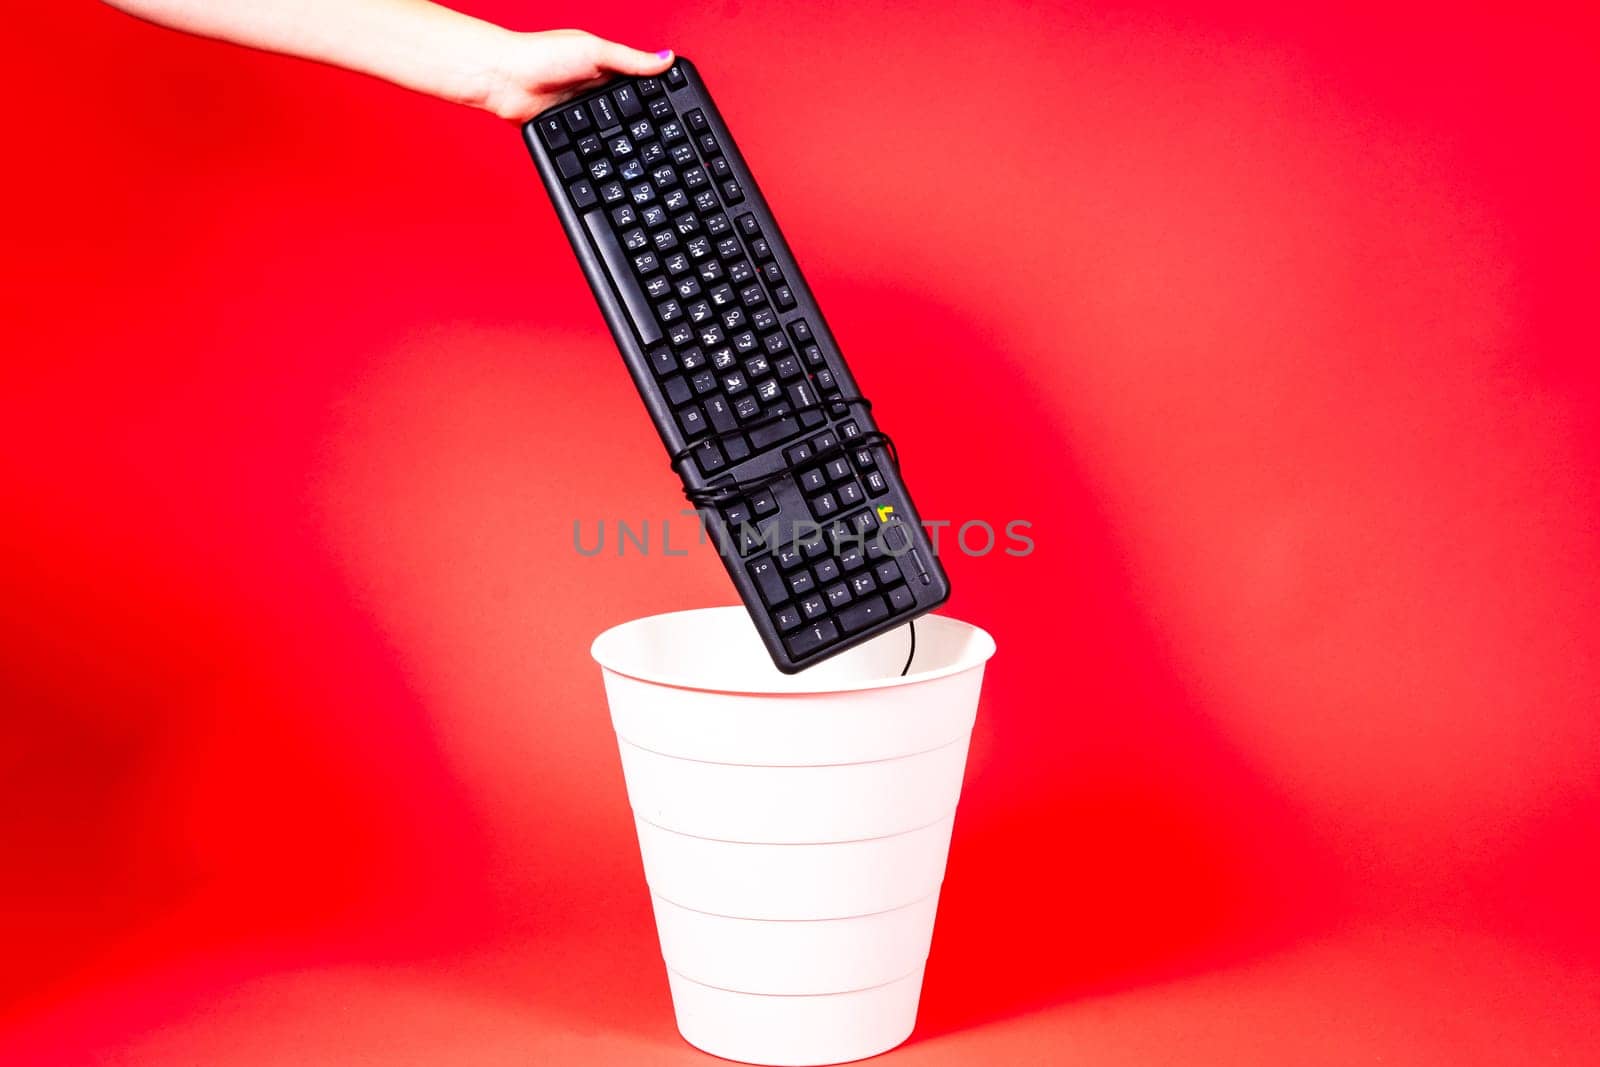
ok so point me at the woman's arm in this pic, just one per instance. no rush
(417, 44)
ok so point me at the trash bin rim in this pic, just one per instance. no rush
(784, 685)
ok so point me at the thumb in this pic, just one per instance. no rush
(624, 60)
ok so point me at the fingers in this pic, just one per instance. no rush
(620, 58)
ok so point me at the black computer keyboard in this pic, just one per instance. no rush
(766, 427)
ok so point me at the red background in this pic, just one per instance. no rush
(1278, 326)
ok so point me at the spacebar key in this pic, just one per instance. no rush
(622, 277)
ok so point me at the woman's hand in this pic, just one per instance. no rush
(537, 70)
(415, 43)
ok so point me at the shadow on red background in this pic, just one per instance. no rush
(1273, 326)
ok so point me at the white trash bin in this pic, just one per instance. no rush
(794, 828)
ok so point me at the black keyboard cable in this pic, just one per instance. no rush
(726, 492)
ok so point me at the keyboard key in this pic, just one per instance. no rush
(696, 120)
(813, 607)
(762, 502)
(862, 614)
(627, 101)
(674, 78)
(800, 330)
(661, 360)
(768, 581)
(553, 133)
(732, 191)
(797, 455)
(661, 108)
(837, 468)
(801, 394)
(568, 165)
(693, 421)
(632, 300)
(850, 494)
(824, 505)
(836, 595)
(604, 112)
(801, 583)
(710, 457)
(817, 635)
(888, 572)
(649, 87)
(583, 194)
(786, 618)
(863, 583)
(812, 480)
(737, 448)
(720, 415)
(876, 484)
(590, 146)
(577, 118)
(901, 599)
(677, 390)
